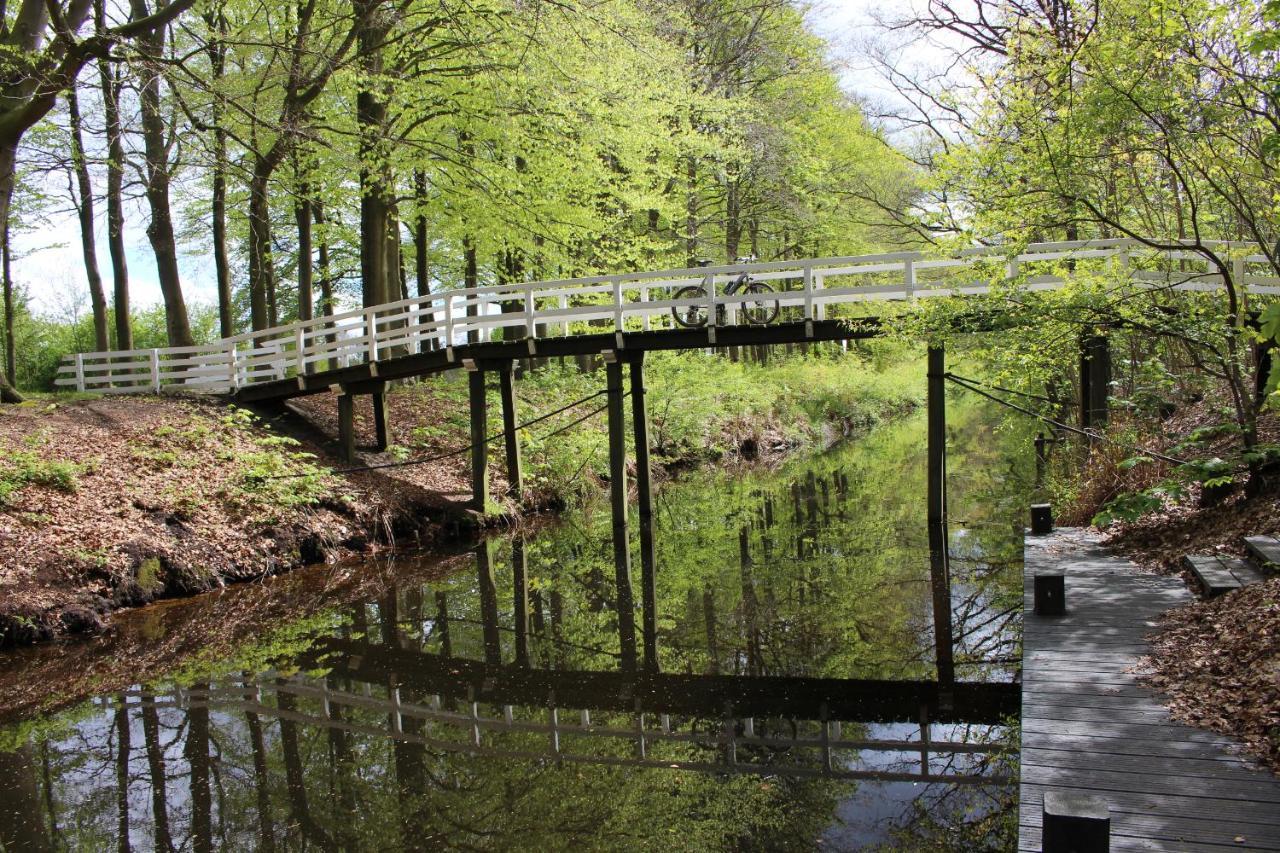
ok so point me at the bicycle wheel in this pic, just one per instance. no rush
(759, 312)
(690, 316)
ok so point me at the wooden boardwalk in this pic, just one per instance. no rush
(1088, 725)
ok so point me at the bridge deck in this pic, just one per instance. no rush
(355, 376)
(1088, 725)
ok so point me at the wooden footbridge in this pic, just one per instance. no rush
(622, 316)
(627, 312)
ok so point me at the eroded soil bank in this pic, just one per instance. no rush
(116, 502)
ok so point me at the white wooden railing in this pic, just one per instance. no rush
(806, 289)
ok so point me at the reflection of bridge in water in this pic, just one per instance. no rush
(776, 726)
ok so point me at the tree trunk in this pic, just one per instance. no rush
(302, 215)
(732, 221)
(371, 116)
(421, 256)
(156, 775)
(89, 249)
(122, 775)
(470, 278)
(115, 191)
(326, 277)
(160, 230)
(217, 23)
(262, 311)
(196, 751)
(10, 377)
(691, 212)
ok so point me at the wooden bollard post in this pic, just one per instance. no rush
(1041, 519)
(1075, 823)
(1050, 594)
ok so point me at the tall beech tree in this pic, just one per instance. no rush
(158, 144)
(84, 209)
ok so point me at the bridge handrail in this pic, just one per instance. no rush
(367, 332)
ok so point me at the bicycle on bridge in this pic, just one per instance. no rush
(758, 312)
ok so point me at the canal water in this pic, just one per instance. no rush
(499, 698)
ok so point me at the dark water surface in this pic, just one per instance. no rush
(502, 700)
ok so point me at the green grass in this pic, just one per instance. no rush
(25, 467)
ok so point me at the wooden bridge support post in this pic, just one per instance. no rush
(520, 583)
(515, 473)
(479, 430)
(1095, 380)
(939, 569)
(488, 603)
(380, 420)
(618, 496)
(644, 490)
(346, 427)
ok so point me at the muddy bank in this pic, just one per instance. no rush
(114, 503)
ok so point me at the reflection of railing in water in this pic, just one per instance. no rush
(829, 746)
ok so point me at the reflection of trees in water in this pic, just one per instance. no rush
(287, 783)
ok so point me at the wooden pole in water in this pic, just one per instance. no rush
(618, 496)
(644, 490)
(520, 580)
(515, 473)
(488, 604)
(939, 573)
(479, 449)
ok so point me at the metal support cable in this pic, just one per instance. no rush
(1087, 433)
(1037, 397)
(461, 450)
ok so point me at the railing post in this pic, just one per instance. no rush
(808, 292)
(909, 277)
(79, 371)
(617, 304)
(448, 321)
(644, 297)
(530, 329)
(371, 329)
(298, 346)
(235, 367)
(710, 288)
(155, 370)
(564, 306)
